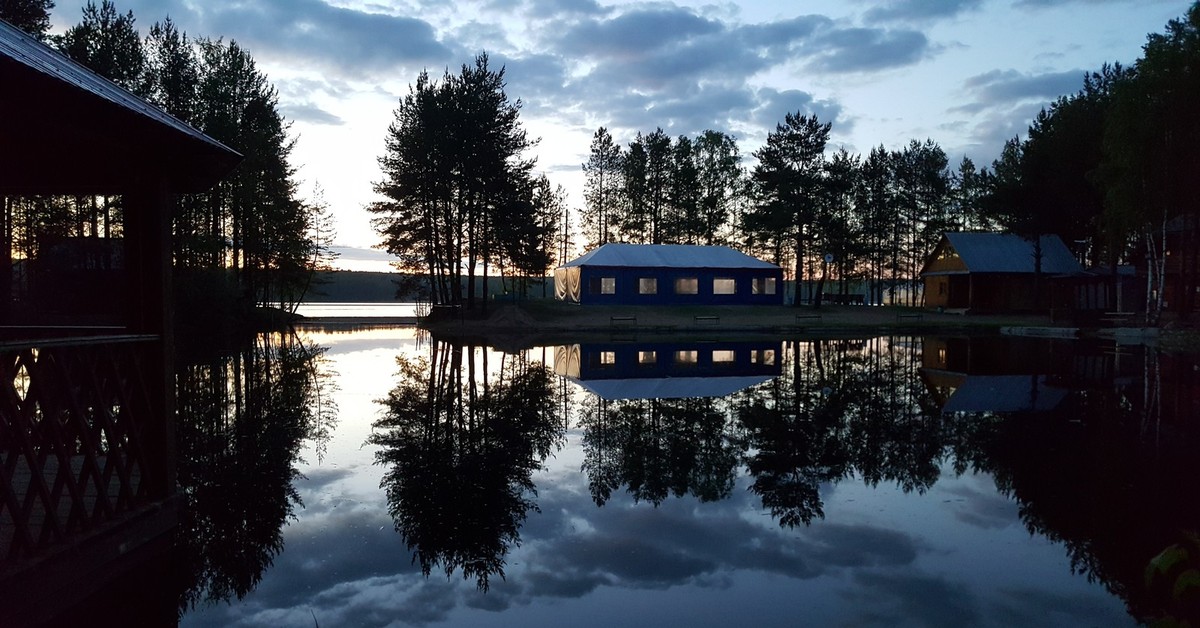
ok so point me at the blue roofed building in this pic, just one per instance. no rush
(995, 272)
(668, 274)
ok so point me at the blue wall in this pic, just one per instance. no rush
(626, 365)
(627, 286)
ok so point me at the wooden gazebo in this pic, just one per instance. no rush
(87, 463)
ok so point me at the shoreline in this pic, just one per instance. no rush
(540, 322)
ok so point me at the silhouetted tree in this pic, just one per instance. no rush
(602, 182)
(720, 181)
(31, 16)
(788, 185)
(453, 167)
(108, 43)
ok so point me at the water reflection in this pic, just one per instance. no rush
(1087, 439)
(656, 420)
(899, 474)
(460, 445)
(1110, 474)
(244, 414)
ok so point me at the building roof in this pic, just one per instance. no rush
(1010, 253)
(670, 387)
(1005, 393)
(66, 129)
(668, 256)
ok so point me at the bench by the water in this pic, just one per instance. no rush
(910, 315)
(614, 320)
(711, 320)
(807, 317)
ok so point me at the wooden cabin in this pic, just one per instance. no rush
(994, 272)
(87, 462)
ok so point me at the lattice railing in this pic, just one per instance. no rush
(74, 415)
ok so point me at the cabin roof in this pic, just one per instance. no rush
(1005, 393)
(986, 252)
(668, 256)
(77, 132)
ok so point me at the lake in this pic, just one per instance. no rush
(381, 477)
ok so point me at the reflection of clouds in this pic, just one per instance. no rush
(673, 545)
(980, 505)
(914, 600)
(320, 477)
(1029, 606)
(861, 546)
(576, 556)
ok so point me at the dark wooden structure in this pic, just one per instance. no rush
(994, 272)
(1181, 269)
(87, 463)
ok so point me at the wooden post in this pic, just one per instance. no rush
(151, 309)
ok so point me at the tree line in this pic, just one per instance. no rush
(876, 217)
(251, 237)
(1106, 169)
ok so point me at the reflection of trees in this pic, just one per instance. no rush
(843, 407)
(461, 445)
(1115, 486)
(243, 418)
(840, 407)
(659, 447)
(1109, 472)
(894, 427)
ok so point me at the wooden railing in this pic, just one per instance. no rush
(75, 437)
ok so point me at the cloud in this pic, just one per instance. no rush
(1006, 86)
(352, 42)
(920, 10)
(1001, 104)
(774, 104)
(307, 112)
(1037, 4)
(868, 50)
(635, 33)
(544, 8)
(324, 35)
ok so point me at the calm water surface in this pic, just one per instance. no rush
(776, 482)
(360, 310)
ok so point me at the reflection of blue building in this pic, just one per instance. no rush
(668, 370)
(668, 274)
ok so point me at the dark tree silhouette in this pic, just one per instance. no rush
(460, 449)
(243, 418)
(31, 16)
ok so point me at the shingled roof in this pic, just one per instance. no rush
(1009, 253)
(668, 256)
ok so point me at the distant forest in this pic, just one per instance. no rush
(1106, 169)
(248, 241)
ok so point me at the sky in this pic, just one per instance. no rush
(968, 74)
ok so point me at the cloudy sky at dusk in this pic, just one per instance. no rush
(966, 73)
